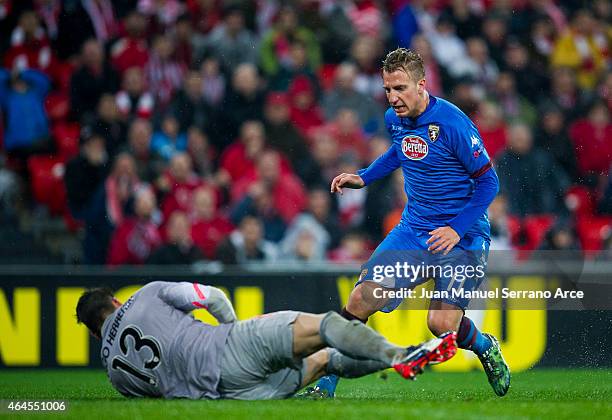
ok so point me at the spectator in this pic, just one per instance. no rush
(287, 190)
(179, 247)
(22, 96)
(448, 49)
(466, 18)
(201, 152)
(367, 18)
(84, 180)
(120, 188)
(541, 42)
(346, 130)
(305, 114)
(492, 127)
(478, 66)
(82, 20)
(164, 74)
(582, 49)
(107, 208)
(213, 81)
(495, 32)
(296, 68)
(404, 22)
(169, 139)
(336, 32)
(231, 41)
(186, 40)
(275, 51)
(283, 136)
(326, 153)
(246, 244)
(134, 101)
(163, 13)
(353, 249)
(530, 176)
(238, 160)
(514, 106)
(93, 78)
(244, 102)
(138, 236)
(530, 79)
(189, 104)
(30, 48)
(131, 50)
(366, 54)
(565, 94)
(313, 232)
(552, 136)
(86, 172)
(259, 202)
(179, 184)
(534, 10)
(148, 165)
(205, 14)
(108, 124)
(344, 95)
(592, 137)
(209, 227)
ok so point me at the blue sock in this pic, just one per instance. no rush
(328, 383)
(470, 338)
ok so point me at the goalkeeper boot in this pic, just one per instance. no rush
(436, 350)
(495, 367)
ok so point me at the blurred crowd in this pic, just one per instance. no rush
(169, 131)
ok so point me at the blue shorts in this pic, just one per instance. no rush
(405, 247)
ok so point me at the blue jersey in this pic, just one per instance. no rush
(441, 155)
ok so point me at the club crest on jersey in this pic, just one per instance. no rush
(414, 147)
(434, 132)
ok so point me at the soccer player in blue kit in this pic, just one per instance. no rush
(449, 181)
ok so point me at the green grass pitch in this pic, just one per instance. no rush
(578, 393)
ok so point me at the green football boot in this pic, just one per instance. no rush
(495, 367)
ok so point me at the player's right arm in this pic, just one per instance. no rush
(381, 167)
(189, 296)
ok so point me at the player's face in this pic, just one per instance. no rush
(404, 94)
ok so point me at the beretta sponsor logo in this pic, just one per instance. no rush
(414, 147)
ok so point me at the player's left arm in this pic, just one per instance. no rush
(189, 296)
(469, 149)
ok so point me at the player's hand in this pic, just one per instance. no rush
(347, 181)
(442, 239)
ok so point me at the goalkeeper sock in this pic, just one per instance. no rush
(358, 341)
(470, 338)
(329, 382)
(347, 367)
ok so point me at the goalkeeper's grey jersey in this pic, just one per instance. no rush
(152, 346)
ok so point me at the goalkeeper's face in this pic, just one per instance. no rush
(405, 95)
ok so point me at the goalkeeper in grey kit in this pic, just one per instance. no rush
(153, 347)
